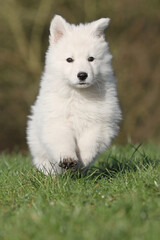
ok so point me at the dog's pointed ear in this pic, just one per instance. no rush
(58, 28)
(99, 26)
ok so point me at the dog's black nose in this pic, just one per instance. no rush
(82, 75)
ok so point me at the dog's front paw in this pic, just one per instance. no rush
(69, 163)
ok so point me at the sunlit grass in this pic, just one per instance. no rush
(119, 198)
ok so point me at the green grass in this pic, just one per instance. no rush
(119, 198)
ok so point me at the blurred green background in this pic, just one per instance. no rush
(134, 39)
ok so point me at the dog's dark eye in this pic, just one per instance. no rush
(91, 59)
(69, 60)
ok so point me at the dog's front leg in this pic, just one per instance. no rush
(91, 143)
(60, 144)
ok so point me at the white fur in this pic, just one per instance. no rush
(69, 119)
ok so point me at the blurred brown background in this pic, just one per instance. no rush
(134, 38)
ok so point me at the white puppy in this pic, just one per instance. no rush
(76, 114)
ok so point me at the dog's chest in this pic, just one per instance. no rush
(81, 112)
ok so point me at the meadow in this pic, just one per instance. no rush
(119, 198)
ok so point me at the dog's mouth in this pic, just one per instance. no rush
(82, 83)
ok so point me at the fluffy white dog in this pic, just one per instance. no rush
(76, 114)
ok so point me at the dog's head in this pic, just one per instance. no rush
(79, 54)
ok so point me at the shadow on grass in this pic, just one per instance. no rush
(109, 166)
